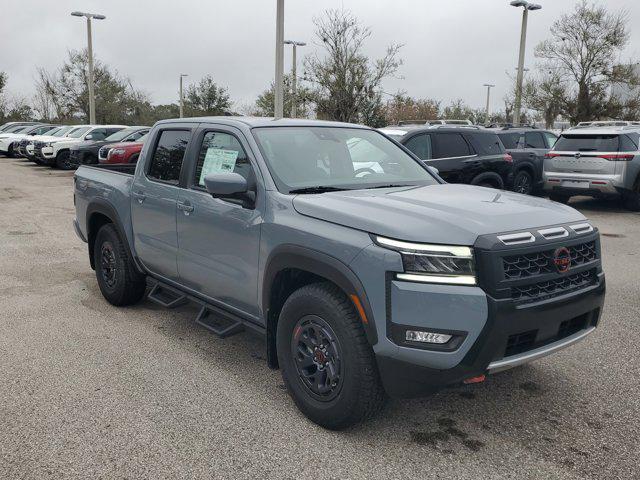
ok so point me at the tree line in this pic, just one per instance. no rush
(578, 66)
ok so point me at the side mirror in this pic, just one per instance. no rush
(230, 186)
(88, 137)
(434, 170)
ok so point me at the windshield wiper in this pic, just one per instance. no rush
(391, 185)
(317, 189)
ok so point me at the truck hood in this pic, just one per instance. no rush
(448, 213)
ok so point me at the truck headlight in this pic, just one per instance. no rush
(433, 263)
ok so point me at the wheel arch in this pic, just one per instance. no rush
(99, 213)
(290, 267)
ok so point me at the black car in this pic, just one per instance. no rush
(527, 146)
(461, 155)
(86, 153)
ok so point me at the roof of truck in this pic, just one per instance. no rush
(252, 122)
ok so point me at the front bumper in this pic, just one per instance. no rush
(541, 328)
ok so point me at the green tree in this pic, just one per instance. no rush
(206, 98)
(264, 105)
(346, 83)
(582, 53)
(66, 91)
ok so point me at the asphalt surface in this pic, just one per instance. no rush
(88, 390)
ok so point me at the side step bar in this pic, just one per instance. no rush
(166, 296)
(215, 319)
(218, 322)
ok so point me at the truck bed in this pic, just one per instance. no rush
(108, 186)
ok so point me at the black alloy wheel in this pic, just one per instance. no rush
(318, 357)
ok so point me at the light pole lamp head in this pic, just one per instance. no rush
(95, 16)
(294, 42)
(525, 4)
(490, 85)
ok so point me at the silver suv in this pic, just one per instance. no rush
(602, 162)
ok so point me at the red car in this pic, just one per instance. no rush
(126, 152)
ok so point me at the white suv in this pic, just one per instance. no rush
(56, 152)
(597, 162)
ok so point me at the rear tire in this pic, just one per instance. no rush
(119, 281)
(489, 180)
(523, 183)
(327, 363)
(631, 201)
(560, 198)
(63, 161)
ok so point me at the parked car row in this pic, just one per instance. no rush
(478, 156)
(68, 146)
(600, 161)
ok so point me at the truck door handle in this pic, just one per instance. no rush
(186, 207)
(139, 196)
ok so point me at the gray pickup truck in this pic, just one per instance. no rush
(368, 275)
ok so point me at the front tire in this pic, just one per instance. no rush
(63, 160)
(560, 198)
(119, 281)
(327, 363)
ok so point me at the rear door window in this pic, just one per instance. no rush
(587, 143)
(534, 140)
(168, 156)
(420, 145)
(510, 140)
(551, 139)
(487, 143)
(447, 145)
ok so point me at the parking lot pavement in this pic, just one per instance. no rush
(89, 390)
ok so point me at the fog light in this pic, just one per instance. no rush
(427, 337)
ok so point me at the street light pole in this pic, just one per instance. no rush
(523, 39)
(92, 98)
(489, 87)
(294, 76)
(278, 94)
(182, 75)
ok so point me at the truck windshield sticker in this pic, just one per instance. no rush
(218, 161)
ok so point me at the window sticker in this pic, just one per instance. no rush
(218, 161)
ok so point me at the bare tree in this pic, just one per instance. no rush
(583, 53)
(347, 85)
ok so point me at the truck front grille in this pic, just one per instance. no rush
(539, 263)
(555, 287)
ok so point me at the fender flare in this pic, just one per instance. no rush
(320, 264)
(103, 207)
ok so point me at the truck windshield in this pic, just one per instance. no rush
(333, 158)
(62, 131)
(587, 143)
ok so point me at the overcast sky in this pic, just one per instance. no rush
(451, 47)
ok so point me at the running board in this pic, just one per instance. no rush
(218, 322)
(166, 296)
(215, 319)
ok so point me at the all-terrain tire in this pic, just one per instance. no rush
(358, 394)
(119, 281)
